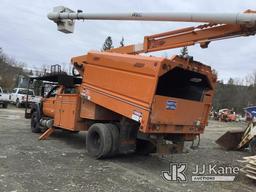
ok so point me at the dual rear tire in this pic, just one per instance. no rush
(102, 140)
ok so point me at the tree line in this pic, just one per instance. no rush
(235, 94)
(10, 69)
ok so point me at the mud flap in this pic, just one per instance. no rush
(231, 139)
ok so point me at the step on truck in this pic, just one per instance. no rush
(130, 102)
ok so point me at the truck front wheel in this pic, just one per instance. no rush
(35, 123)
(5, 105)
(98, 140)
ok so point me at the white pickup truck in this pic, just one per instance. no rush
(4, 98)
(19, 96)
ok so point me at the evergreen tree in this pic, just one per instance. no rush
(184, 52)
(107, 44)
(231, 81)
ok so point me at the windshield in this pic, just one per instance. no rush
(52, 92)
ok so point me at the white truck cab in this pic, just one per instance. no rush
(19, 96)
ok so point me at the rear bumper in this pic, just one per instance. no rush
(175, 129)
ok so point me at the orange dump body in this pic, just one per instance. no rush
(164, 95)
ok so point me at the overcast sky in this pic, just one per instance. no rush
(30, 37)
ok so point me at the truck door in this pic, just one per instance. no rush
(66, 109)
(49, 102)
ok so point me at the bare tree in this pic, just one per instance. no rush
(122, 42)
(10, 70)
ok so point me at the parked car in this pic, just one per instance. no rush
(4, 98)
(19, 96)
(227, 115)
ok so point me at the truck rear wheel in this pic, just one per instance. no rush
(35, 123)
(115, 139)
(99, 140)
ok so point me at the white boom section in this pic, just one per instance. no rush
(64, 17)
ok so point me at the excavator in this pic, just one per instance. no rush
(131, 102)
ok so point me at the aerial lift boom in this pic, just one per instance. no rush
(219, 26)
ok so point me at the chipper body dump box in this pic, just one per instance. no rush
(162, 95)
(130, 102)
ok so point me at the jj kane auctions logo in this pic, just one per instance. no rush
(206, 172)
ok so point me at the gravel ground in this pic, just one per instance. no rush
(61, 164)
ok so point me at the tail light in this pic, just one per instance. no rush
(197, 123)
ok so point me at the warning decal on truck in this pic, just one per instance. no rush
(171, 105)
(85, 94)
(136, 116)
